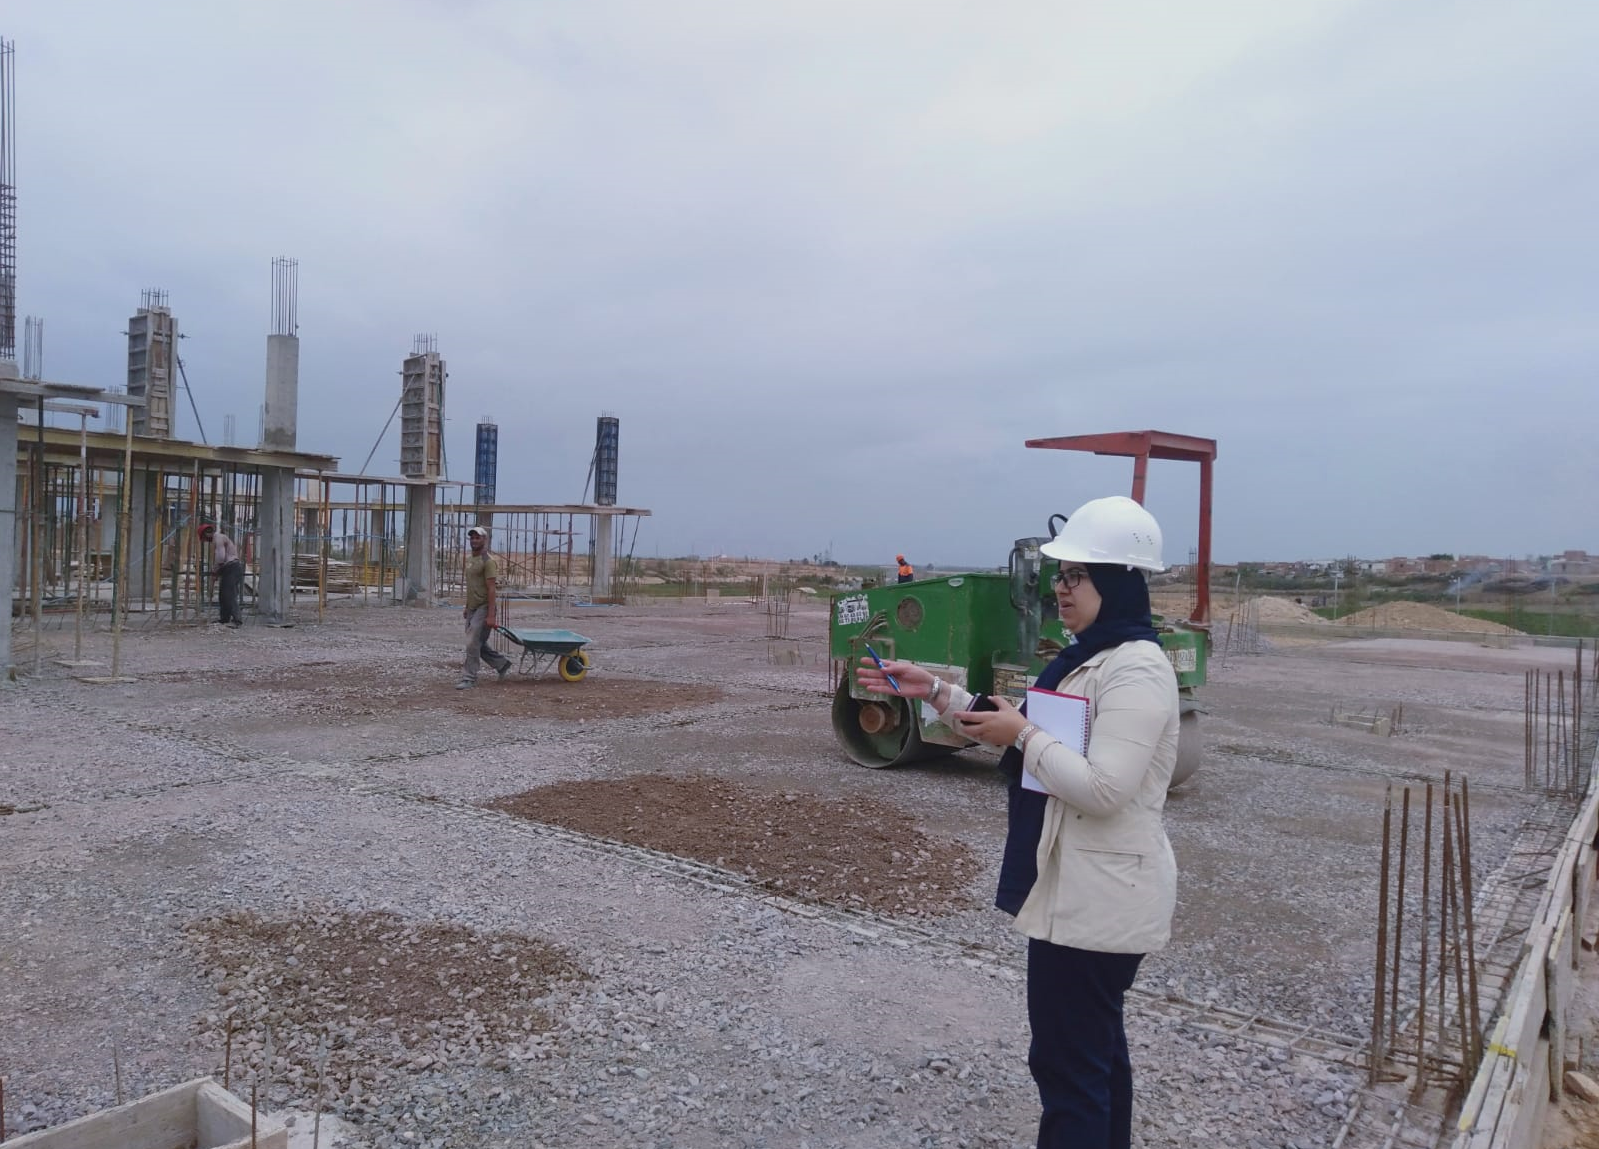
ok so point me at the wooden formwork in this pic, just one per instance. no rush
(1524, 1061)
(198, 1114)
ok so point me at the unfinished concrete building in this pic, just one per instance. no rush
(97, 524)
(153, 364)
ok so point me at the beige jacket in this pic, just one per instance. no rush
(1107, 879)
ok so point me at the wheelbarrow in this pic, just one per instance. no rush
(541, 649)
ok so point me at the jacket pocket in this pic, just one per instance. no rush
(1126, 869)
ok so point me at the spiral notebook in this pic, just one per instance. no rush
(1062, 716)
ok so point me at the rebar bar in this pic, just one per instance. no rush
(1426, 931)
(1452, 886)
(1381, 994)
(1463, 832)
(1399, 918)
(1445, 863)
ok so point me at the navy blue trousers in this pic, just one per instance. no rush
(1079, 1051)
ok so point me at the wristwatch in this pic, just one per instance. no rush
(1026, 732)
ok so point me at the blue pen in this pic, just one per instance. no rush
(883, 668)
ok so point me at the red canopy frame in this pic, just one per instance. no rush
(1141, 447)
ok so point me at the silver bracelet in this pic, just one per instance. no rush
(932, 694)
(1024, 736)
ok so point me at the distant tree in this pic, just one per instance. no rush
(1441, 557)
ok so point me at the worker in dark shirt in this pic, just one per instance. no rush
(907, 573)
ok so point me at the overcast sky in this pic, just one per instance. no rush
(831, 263)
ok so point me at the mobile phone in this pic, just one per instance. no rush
(982, 702)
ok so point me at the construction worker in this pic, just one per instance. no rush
(228, 572)
(907, 573)
(481, 576)
(1087, 870)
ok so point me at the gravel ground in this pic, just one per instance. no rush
(321, 794)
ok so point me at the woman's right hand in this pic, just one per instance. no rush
(914, 682)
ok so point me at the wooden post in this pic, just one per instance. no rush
(83, 532)
(125, 541)
(323, 527)
(36, 549)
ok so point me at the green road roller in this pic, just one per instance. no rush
(993, 632)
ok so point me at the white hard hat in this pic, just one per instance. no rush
(1113, 530)
(477, 531)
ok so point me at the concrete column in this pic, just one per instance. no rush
(419, 514)
(600, 584)
(282, 392)
(143, 581)
(275, 549)
(8, 523)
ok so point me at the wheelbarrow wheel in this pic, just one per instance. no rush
(574, 666)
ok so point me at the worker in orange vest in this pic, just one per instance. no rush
(907, 573)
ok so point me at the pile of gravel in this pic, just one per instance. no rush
(862, 853)
(329, 997)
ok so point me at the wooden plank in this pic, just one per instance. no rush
(1483, 1119)
(1560, 969)
(1524, 1130)
(1561, 986)
(1530, 1004)
(1514, 1038)
(1582, 901)
(1558, 896)
(1586, 824)
(1471, 1110)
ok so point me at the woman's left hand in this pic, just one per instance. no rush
(994, 727)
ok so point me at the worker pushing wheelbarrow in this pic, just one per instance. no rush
(542, 649)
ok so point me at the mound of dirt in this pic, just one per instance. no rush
(1268, 609)
(862, 854)
(1422, 616)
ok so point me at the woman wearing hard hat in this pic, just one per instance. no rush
(1087, 872)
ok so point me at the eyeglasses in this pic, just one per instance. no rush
(1068, 578)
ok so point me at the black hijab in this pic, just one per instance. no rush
(1124, 616)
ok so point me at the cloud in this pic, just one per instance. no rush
(822, 259)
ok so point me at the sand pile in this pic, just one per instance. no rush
(1421, 616)
(1268, 610)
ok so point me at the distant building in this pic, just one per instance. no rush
(1575, 563)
